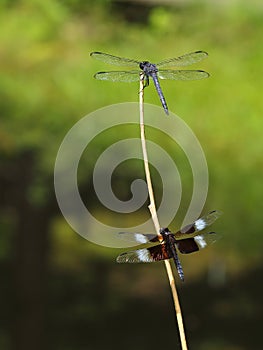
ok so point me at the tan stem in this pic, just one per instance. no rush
(154, 216)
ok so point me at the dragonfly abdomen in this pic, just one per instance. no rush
(160, 93)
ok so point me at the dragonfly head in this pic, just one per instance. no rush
(164, 231)
(143, 64)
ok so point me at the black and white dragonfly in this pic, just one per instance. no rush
(187, 240)
(152, 70)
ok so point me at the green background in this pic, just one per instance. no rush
(58, 291)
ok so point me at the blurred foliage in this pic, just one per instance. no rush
(47, 85)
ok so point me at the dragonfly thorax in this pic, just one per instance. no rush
(148, 67)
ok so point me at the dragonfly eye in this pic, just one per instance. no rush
(144, 64)
(164, 230)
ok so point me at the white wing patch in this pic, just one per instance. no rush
(200, 241)
(200, 224)
(144, 255)
(140, 238)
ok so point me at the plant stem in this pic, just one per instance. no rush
(153, 212)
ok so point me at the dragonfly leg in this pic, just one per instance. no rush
(145, 81)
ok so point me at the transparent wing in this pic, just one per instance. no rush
(184, 60)
(124, 76)
(200, 224)
(210, 218)
(206, 239)
(115, 60)
(138, 238)
(182, 74)
(135, 256)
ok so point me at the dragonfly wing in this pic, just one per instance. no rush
(206, 239)
(123, 76)
(208, 219)
(135, 256)
(182, 74)
(199, 225)
(115, 60)
(190, 245)
(184, 60)
(187, 246)
(138, 238)
(160, 252)
(147, 255)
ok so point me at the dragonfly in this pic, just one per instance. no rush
(187, 240)
(152, 70)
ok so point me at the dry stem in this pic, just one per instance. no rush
(153, 212)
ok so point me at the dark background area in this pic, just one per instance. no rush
(59, 291)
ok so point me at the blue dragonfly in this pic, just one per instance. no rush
(153, 70)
